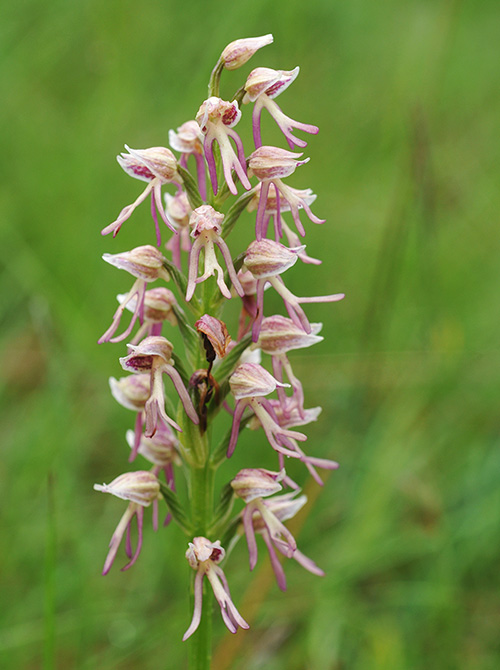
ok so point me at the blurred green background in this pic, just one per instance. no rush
(406, 93)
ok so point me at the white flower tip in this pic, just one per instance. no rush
(285, 386)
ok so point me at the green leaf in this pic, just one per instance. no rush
(219, 454)
(175, 508)
(232, 531)
(223, 508)
(180, 281)
(235, 211)
(191, 187)
(179, 366)
(189, 336)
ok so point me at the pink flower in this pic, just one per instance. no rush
(270, 165)
(266, 260)
(264, 84)
(266, 518)
(206, 226)
(153, 355)
(217, 118)
(250, 383)
(145, 263)
(279, 335)
(293, 200)
(204, 557)
(157, 166)
(141, 488)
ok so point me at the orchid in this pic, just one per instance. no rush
(157, 166)
(221, 358)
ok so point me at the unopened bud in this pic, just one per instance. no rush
(237, 53)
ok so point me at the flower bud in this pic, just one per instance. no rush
(204, 219)
(237, 53)
(215, 110)
(268, 81)
(274, 163)
(252, 483)
(215, 331)
(187, 139)
(201, 550)
(266, 258)
(131, 392)
(250, 380)
(279, 334)
(140, 358)
(146, 164)
(140, 487)
(144, 262)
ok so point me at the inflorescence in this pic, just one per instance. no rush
(216, 372)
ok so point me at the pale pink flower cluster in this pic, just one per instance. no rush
(172, 414)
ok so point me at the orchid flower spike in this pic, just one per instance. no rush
(157, 166)
(141, 488)
(145, 263)
(262, 86)
(154, 355)
(216, 119)
(266, 260)
(206, 225)
(204, 557)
